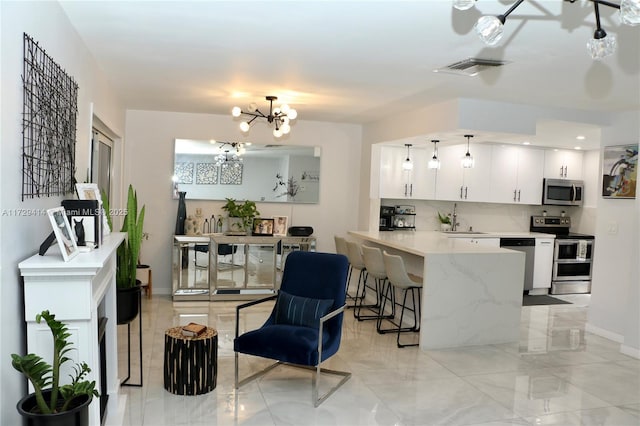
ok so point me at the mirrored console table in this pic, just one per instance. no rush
(225, 267)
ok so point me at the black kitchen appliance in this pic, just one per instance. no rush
(386, 218)
(572, 254)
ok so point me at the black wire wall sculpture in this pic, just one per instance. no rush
(49, 112)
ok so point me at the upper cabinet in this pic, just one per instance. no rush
(563, 164)
(395, 182)
(516, 175)
(455, 183)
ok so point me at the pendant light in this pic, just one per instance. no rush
(434, 163)
(407, 164)
(467, 160)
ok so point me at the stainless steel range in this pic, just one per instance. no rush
(572, 255)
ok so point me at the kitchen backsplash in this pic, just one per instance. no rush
(492, 217)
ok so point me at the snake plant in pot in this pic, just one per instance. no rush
(52, 403)
(128, 288)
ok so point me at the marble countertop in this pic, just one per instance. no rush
(497, 234)
(422, 243)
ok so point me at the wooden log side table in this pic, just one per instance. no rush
(190, 363)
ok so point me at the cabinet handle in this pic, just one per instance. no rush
(518, 195)
(411, 190)
(566, 171)
(514, 195)
(461, 192)
(465, 192)
(405, 189)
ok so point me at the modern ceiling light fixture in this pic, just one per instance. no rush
(229, 152)
(467, 160)
(434, 162)
(490, 28)
(463, 4)
(407, 164)
(280, 117)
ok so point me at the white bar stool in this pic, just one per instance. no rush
(398, 278)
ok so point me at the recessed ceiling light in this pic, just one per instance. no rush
(525, 143)
(577, 147)
(580, 137)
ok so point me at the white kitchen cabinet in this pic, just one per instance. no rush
(543, 263)
(455, 183)
(397, 183)
(563, 164)
(516, 175)
(487, 242)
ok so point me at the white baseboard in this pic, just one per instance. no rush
(618, 338)
(632, 352)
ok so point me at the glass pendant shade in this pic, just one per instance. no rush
(463, 4)
(467, 161)
(407, 164)
(277, 133)
(434, 163)
(244, 126)
(489, 29)
(630, 12)
(236, 111)
(600, 48)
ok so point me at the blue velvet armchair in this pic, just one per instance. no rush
(305, 325)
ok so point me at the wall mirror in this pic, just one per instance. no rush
(216, 170)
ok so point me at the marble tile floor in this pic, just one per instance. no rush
(557, 374)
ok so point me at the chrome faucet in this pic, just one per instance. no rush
(454, 218)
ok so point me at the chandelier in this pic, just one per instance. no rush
(229, 153)
(280, 117)
(490, 28)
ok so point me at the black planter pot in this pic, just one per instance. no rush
(77, 415)
(128, 303)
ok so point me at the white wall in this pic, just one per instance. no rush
(614, 310)
(20, 236)
(149, 167)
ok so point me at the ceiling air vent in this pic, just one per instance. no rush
(471, 66)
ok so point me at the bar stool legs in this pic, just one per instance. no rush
(398, 278)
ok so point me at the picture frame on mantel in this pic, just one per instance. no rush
(620, 171)
(64, 234)
(90, 191)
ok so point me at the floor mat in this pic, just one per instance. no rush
(542, 299)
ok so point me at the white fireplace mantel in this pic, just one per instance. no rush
(79, 293)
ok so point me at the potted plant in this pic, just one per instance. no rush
(52, 403)
(128, 288)
(445, 222)
(245, 212)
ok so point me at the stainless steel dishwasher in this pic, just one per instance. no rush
(528, 246)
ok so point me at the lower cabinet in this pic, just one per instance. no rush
(488, 242)
(543, 263)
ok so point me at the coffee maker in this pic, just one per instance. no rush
(386, 218)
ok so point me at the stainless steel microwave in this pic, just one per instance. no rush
(562, 192)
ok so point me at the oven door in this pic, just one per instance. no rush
(571, 270)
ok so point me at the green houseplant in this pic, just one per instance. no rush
(445, 222)
(51, 402)
(246, 211)
(128, 293)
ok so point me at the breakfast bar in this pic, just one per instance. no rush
(472, 294)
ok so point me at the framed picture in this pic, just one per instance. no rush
(63, 233)
(90, 191)
(280, 225)
(620, 171)
(262, 226)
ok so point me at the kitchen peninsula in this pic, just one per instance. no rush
(472, 293)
